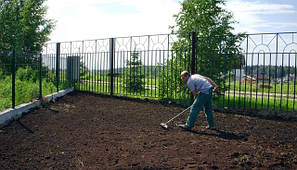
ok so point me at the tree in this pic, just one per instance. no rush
(24, 27)
(133, 75)
(217, 48)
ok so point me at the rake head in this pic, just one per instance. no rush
(164, 125)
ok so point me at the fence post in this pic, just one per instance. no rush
(40, 76)
(13, 78)
(193, 58)
(57, 65)
(111, 58)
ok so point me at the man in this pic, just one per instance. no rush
(205, 86)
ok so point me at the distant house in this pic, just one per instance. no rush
(247, 80)
(289, 78)
(262, 78)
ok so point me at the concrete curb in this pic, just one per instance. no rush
(13, 114)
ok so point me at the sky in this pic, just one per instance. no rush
(97, 19)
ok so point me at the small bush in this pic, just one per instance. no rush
(26, 91)
(27, 88)
(27, 73)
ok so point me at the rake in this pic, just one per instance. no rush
(165, 126)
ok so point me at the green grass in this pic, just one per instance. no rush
(255, 103)
(285, 88)
(25, 91)
(5, 93)
(147, 81)
(119, 90)
(227, 101)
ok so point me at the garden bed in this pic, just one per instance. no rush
(84, 131)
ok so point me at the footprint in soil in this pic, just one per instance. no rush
(213, 167)
(116, 161)
(241, 159)
(190, 165)
(133, 164)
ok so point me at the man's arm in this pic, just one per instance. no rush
(194, 92)
(215, 87)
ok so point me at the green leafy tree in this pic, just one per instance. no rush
(217, 48)
(23, 27)
(134, 74)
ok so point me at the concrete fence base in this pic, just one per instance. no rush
(13, 114)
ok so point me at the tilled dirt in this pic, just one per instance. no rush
(83, 131)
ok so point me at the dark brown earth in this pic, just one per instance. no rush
(83, 131)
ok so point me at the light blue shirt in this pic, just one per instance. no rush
(198, 83)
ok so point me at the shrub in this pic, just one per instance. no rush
(27, 73)
(26, 91)
(134, 76)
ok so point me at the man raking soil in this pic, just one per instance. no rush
(202, 88)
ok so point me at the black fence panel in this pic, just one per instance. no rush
(5, 80)
(260, 75)
(27, 77)
(20, 78)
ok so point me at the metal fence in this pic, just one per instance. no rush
(268, 78)
(25, 77)
(146, 67)
(16, 71)
(149, 67)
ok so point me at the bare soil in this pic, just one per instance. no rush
(84, 131)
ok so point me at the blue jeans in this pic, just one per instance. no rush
(202, 101)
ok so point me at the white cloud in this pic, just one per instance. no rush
(250, 15)
(260, 8)
(80, 20)
(77, 20)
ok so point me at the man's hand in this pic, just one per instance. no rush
(216, 89)
(194, 92)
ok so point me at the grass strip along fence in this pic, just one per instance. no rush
(148, 67)
(24, 78)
